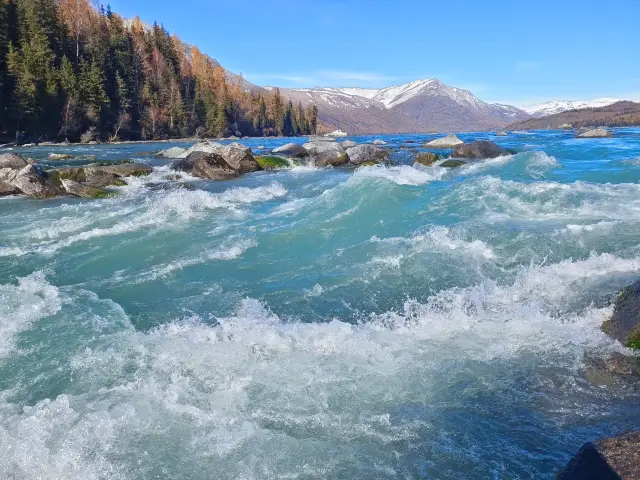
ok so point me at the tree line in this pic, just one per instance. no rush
(70, 69)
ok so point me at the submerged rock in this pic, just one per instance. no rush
(366, 153)
(324, 154)
(478, 150)
(624, 324)
(595, 133)
(427, 158)
(210, 166)
(173, 152)
(272, 162)
(614, 458)
(449, 141)
(452, 163)
(60, 156)
(291, 150)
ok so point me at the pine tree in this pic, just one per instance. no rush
(278, 112)
(70, 118)
(312, 118)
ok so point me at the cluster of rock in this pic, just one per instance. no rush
(21, 176)
(461, 152)
(214, 161)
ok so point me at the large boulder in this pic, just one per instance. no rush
(614, 458)
(211, 166)
(173, 152)
(237, 156)
(624, 324)
(291, 150)
(13, 160)
(78, 189)
(29, 180)
(366, 153)
(595, 133)
(324, 154)
(478, 150)
(100, 176)
(449, 141)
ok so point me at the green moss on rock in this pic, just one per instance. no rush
(452, 163)
(370, 163)
(272, 162)
(427, 158)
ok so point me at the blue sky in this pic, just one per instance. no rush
(515, 51)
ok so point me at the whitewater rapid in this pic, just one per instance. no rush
(392, 322)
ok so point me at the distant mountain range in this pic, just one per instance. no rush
(558, 106)
(420, 106)
(619, 114)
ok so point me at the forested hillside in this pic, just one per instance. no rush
(71, 69)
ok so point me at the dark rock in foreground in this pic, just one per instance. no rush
(27, 179)
(478, 150)
(624, 324)
(615, 458)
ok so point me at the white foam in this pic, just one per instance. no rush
(401, 175)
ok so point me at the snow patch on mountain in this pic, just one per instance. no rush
(558, 106)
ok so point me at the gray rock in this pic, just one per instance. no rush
(379, 142)
(501, 134)
(348, 144)
(211, 166)
(30, 181)
(366, 153)
(78, 189)
(173, 152)
(122, 170)
(624, 324)
(12, 160)
(449, 141)
(100, 176)
(324, 154)
(235, 155)
(60, 156)
(478, 150)
(614, 458)
(8, 189)
(452, 163)
(291, 150)
(595, 133)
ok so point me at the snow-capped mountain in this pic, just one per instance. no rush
(558, 106)
(420, 106)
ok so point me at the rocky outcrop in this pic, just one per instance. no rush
(478, 150)
(78, 189)
(324, 154)
(60, 156)
(624, 324)
(449, 141)
(614, 458)
(595, 133)
(366, 154)
(29, 180)
(348, 144)
(173, 152)
(210, 166)
(291, 150)
(238, 157)
(427, 158)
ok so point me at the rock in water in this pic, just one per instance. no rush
(595, 133)
(615, 458)
(478, 150)
(379, 142)
(173, 152)
(501, 134)
(324, 154)
(81, 190)
(291, 150)
(12, 160)
(206, 165)
(366, 153)
(30, 180)
(427, 158)
(348, 144)
(60, 156)
(452, 163)
(449, 141)
(100, 176)
(237, 156)
(624, 324)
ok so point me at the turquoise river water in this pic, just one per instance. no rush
(390, 322)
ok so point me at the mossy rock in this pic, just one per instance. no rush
(272, 162)
(172, 178)
(452, 163)
(634, 339)
(427, 158)
(75, 174)
(370, 163)
(124, 161)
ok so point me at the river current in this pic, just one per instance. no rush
(388, 322)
